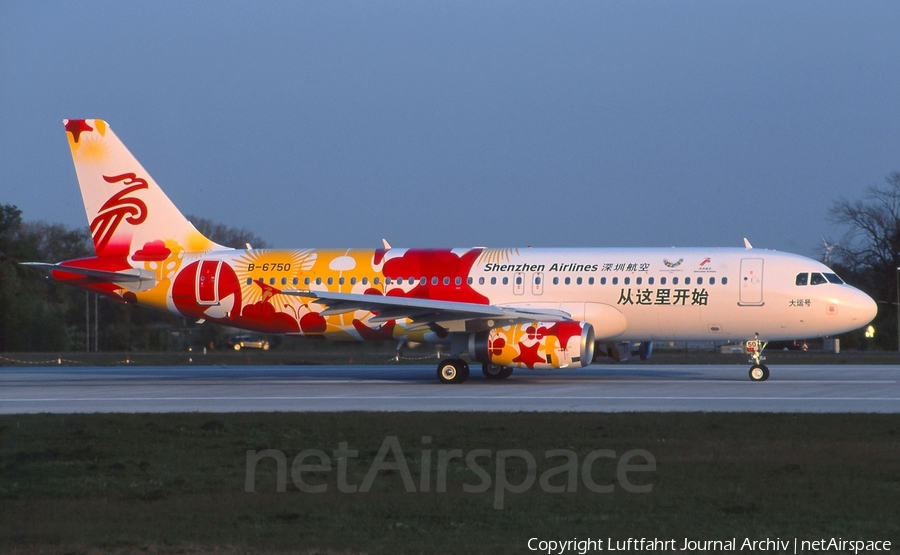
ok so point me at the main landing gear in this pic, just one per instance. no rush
(758, 372)
(453, 370)
(495, 372)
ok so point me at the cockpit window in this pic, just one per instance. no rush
(833, 278)
(802, 279)
(817, 279)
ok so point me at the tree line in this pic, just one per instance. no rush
(39, 314)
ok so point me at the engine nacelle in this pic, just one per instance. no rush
(541, 345)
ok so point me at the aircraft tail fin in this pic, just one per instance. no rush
(128, 213)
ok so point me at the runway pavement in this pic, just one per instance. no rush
(604, 388)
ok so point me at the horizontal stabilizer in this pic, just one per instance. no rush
(133, 279)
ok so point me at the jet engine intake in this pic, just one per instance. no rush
(539, 345)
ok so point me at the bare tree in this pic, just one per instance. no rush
(869, 251)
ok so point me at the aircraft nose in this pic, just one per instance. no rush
(863, 308)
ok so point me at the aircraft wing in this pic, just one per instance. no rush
(422, 310)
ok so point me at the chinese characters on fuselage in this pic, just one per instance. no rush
(673, 297)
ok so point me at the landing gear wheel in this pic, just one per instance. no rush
(495, 372)
(759, 373)
(453, 370)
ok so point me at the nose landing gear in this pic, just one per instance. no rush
(758, 372)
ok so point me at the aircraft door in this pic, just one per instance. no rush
(519, 283)
(537, 283)
(751, 282)
(207, 282)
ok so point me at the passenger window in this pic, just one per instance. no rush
(603, 281)
(506, 281)
(627, 281)
(590, 281)
(817, 279)
(470, 280)
(518, 280)
(387, 281)
(330, 281)
(423, 280)
(365, 281)
(699, 281)
(447, 280)
(271, 281)
(493, 281)
(283, 281)
(341, 281)
(458, 280)
(724, 281)
(687, 281)
(650, 281)
(639, 280)
(434, 280)
(568, 280)
(377, 280)
(712, 281)
(249, 281)
(802, 279)
(556, 281)
(615, 281)
(306, 281)
(578, 281)
(662, 281)
(537, 280)
(675, 280)
(296, 281)
(481, 281)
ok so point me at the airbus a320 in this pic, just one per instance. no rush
(504, 308)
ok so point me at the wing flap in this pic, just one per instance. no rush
(421, 310)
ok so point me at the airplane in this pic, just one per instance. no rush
(506, 308)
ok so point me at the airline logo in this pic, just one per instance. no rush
(119, 207)
(705, 265)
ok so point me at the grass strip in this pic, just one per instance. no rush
(175, 483)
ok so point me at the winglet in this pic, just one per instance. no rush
(387, 246)
(747, 244)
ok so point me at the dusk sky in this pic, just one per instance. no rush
(457, 124)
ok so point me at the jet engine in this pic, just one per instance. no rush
(540, 345)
